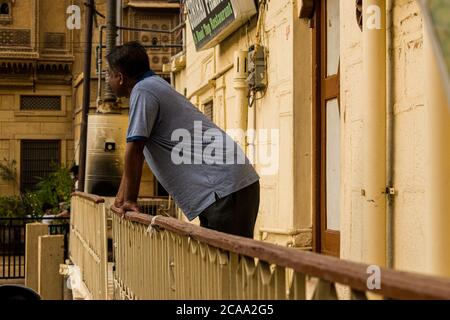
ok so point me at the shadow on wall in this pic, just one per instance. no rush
(105, 189)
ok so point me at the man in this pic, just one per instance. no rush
(74, 175)
(223, 194)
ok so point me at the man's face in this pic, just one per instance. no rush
(117, 82)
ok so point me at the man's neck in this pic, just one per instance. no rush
(130, 87)
(145, 75)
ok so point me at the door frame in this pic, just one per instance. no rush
(324, 241)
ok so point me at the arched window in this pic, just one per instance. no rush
(4, 8)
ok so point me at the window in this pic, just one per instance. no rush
(5, 12)
(37, 159)
(208, 110)
(4, 8)
(47, 103)
(55, 40)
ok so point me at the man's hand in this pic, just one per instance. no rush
(128, 206)
(118, 202)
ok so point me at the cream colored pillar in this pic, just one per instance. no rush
(241, 89)
(32, 233)
(251, 135)
(50, 256)
(374, 115)
(437, 226)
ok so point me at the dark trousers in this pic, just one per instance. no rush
(235, 213)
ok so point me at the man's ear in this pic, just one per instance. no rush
(121, 78)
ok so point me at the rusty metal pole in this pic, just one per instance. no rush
(109, 100)
(89, 21)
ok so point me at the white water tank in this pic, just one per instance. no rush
(106, 142)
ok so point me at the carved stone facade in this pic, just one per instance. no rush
(36, 71)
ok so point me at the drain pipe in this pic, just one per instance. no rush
(86, 92)
(100, 67)
(374, 115)
(241, 90)
(251, 148)
(437, 219)
(119, 22)
(391, 192)
(110, 99)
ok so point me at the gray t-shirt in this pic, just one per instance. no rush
(192, 158)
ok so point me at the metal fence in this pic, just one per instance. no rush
(158, 206)
(12, 243)
(90, 231)
(164, 258)
(159, 257)
(88, 243)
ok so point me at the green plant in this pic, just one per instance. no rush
(50, 192)
(32, 204)
(11, 206)
(55, 188)
(8, 171)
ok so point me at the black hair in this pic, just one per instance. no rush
(74, 170)
(130, 59)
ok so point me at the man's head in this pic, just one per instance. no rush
(74, 172)
(126, 63)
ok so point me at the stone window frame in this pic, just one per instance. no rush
(6, 18)
(42, 113)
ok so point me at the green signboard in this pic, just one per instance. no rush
(212, 20)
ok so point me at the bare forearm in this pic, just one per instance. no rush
(120, 193)
(134, 159)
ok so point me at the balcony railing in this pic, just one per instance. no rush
(159, 257)
(88, 242)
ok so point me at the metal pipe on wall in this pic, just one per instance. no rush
(100, 66)
(241, 90)
(119, 22)
(390, 229)
(374, 115)
(89, 21)
(111, 34)
(437, 223)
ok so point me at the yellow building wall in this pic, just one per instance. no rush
(286, 194)
(406, 92)
(148, 184)
(15, 125)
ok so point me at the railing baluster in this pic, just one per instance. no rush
(297, 289)
(9, 252)
(325, 291)
(358, 295)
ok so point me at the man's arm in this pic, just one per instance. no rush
(131, 179)
(118, 202)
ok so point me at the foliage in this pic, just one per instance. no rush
(8, 171)
(49, 193)
(32, 204)
(55, 188)
(11, 206)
